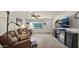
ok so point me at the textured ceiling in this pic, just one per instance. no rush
(43, 14)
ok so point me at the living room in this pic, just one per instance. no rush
(41, 28)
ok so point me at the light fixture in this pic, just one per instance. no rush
(33, 17)
(22, 26)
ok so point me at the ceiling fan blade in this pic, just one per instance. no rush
(33, 15)
(37, 15)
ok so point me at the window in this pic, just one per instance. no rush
(36, 25)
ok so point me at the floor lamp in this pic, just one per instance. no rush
(7, 22)
(8, 12)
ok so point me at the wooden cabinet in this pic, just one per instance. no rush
(71, 40)
(61, 35)
(68, 37)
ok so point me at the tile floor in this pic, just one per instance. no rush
(46, 41)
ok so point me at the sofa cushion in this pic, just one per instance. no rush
(12, 33)
(22, 33)
(11, 39)
(1, 46)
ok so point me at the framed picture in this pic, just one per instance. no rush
(18, 21)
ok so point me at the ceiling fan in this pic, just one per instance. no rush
(34, 16)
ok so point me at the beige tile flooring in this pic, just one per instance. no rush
(46, 41)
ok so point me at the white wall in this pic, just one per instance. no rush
(72, 20)
(47, 28)
(3, 20)
(13, 15)
(49, 22)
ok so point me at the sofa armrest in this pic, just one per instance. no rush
(21, 44)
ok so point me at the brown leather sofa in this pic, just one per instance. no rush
(16, 39)
(21, 44)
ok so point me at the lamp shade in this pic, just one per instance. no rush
(23, 26)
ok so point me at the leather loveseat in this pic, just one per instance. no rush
(16, 39)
